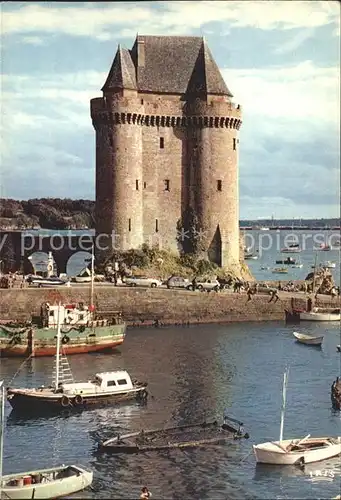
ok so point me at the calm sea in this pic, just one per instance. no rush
(194, 374)
(266, 245)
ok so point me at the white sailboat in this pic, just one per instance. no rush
(50, 483)
(296, 451)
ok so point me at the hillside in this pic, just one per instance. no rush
(46, 213)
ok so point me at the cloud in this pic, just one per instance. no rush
(125, 19)
(296, 41)
(33, 40)
(299, 92)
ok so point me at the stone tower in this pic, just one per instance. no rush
(167, 141)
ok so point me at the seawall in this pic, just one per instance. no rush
(145, 305)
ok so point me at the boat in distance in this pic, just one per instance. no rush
(82, 331)
(185, 436)
(51, 483)
(308, 339)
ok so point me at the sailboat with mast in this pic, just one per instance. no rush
(83, 329)
(104, 389)
(50, 483)
(296, 451)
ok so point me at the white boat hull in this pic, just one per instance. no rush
(46, 490)
(307, 339)
(274, 453)
(316, 316)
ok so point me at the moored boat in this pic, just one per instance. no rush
(296, 451)
(327, 265)
(82, 331)
(336, 394)
(320, 314)
(50, 483)
(280, 270)
(308, 339)
(105, 388)
(292, 248)
(250, 256)
(65, 394)
(185, 436)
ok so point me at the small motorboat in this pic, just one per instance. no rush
(292, 248)
(280, 270)
(289, 261)
(308, 339)
(250, 256)
(265, 268)
(185, 436)
(327, 265)
(324, 247)
(338, 348)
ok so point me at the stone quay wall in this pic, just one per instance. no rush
(143, 306)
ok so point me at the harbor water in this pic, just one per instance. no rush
(194, 374)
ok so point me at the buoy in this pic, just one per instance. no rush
(65, 401)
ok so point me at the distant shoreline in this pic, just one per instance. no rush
(68, 214)
(241, 228)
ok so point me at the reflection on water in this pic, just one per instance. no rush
(193, 374)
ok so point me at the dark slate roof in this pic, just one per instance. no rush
(215, 83)
(122, 72)
(176, 65)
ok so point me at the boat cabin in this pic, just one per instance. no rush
(102, 382)
(75, 314)
(70, 314)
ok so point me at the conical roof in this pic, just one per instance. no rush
(122, 72)
(206, 77)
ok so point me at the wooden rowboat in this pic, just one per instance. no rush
(46, 483)
(186, 436)
(50, 483)
(308, 339)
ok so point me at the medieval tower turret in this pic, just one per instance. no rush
(167, 142)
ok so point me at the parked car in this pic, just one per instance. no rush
(206, 284)
(142, 281)
(177, 282)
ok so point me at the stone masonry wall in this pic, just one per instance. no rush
(173, 307)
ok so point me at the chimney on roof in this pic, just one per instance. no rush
(140, 53)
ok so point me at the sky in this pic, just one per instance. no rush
(281, 60)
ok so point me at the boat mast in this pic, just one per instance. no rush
(2, 390)
(314, 272)
(285, 381)
(92, 276)
(58, 349)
